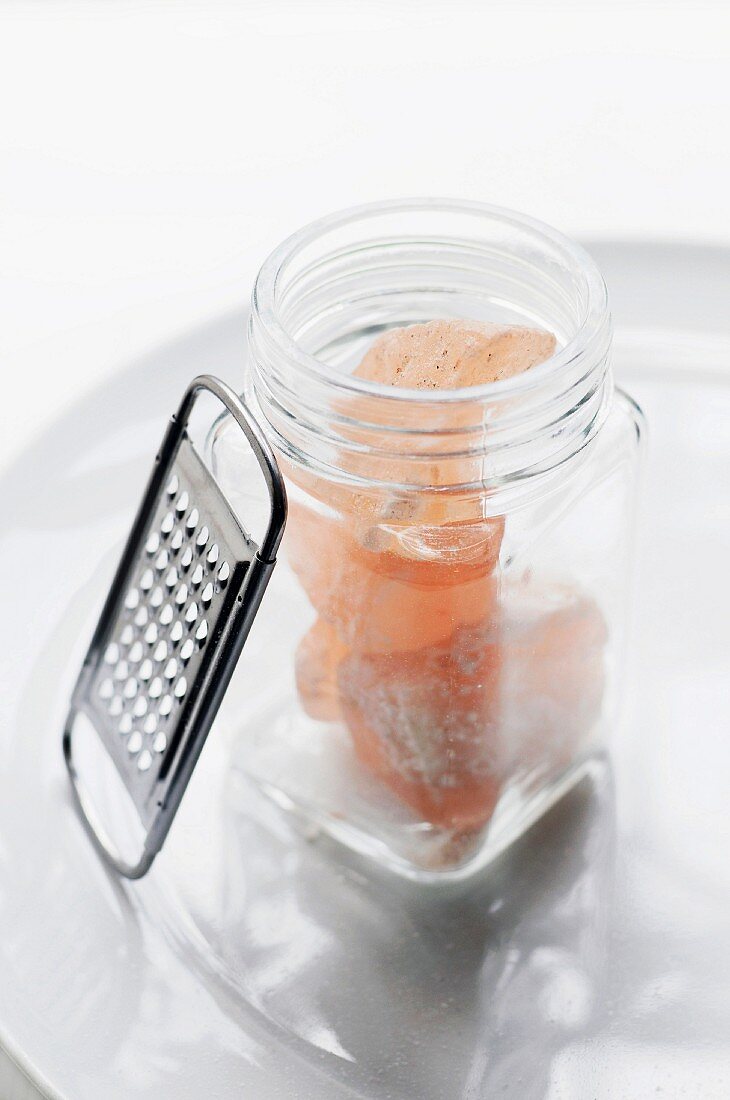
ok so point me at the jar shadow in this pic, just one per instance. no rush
(460, 989)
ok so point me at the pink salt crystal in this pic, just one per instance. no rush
(446, 726)
(438, 355)
(425, 723)
(449, 355)
(553, 675)
(373, 604)
(317, 658)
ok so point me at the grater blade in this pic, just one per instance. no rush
(186, 591)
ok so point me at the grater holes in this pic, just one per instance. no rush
(171, 607)
(134, 742)
(144, 760)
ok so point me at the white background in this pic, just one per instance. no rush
(151, 154)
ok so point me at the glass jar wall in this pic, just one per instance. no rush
(439, 653)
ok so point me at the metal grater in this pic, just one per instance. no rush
(180, 607)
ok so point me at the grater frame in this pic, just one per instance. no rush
(157, 787)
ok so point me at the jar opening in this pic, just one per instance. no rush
(327, 292)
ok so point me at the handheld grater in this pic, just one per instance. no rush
(176, 618)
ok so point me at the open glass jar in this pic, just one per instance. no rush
(438, 655)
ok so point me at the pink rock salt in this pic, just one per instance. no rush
(407, 646)
(373, 608)
(553, 675)
(317, 659)
(425, 722)
(449, 355)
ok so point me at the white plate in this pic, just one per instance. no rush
(592, 960)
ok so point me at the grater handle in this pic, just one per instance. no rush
(259, 444)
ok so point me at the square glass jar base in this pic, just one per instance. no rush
(312, 774)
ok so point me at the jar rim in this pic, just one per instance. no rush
(589, 331)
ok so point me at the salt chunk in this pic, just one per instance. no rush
(553, 678)
(372, 599)
(448, 355)
(426, 723)
(318, 656)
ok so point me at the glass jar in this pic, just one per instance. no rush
(438, 656)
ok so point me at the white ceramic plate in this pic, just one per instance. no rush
(592, 961)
